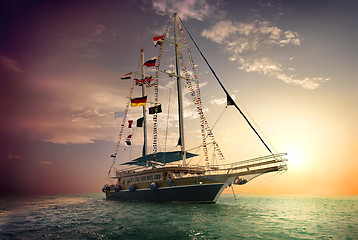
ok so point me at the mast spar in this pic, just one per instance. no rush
(180, 101)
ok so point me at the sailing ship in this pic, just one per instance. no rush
(171, 176)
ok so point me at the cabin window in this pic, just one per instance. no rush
(143, 178)
(137, 179)
(157, 176)
(150, 177)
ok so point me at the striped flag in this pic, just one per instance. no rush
(137, 102)
(127, 76)
(151, 62)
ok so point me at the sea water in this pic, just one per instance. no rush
(91, 216)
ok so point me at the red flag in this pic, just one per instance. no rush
(130, 123)
(128, 141)
(158, 40)
(151, 62)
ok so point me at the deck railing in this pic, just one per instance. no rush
(270, 163)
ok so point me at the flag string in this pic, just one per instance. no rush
(156, 94)
(114, 156)
(197, 100)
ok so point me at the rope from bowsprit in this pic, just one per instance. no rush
(156, 93)
(197, 100)
(114, 156)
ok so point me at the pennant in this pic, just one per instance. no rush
(229, 100)
(137, 102)
(155, 109)
(158, 40)
(130, 122)
(140, 122)
(151, 62)
(179, 141)
(127, 76)
(128, 141)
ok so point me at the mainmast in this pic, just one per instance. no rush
(144, 109)
(180, 101)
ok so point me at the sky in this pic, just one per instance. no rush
(290, 64)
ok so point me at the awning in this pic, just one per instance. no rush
(161, 157)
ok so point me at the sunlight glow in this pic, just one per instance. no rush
(294, 157)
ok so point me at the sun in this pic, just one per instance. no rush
(294, 157)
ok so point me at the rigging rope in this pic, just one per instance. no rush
(222, 113)
(252, 119)
(122, 126)
(222, 86)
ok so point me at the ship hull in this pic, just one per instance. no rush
(200, 193)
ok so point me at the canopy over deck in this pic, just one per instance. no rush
(160, 157)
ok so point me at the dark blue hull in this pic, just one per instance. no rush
(205, 193)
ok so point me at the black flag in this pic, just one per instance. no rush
(140, 122)
(229, 100)
(155, 109)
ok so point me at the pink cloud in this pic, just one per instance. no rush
(196, 9)
(46, 162)
(9, 63)
(14, 156)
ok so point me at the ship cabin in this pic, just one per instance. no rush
(157, 174)
(159, 171)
